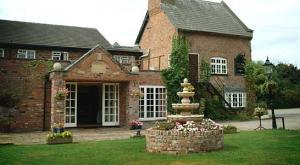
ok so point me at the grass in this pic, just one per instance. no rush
(261, 147)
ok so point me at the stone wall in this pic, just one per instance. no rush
(179, 142)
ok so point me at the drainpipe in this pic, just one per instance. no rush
(45, 101)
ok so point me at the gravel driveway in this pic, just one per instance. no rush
(291, 116)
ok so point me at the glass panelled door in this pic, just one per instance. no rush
(110, 104)
(71, 106)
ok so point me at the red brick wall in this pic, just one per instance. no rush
(157, 38)
(28, 82)
(17, 77)
(212, 45)
(45, 54)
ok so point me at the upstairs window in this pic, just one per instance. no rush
(123, 59)
(62, 56)
(218, 65)
(28, 54)
(239, 63)
(1, 52)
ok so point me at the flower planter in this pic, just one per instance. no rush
(134, 127)
(58, 130)
(60, 140)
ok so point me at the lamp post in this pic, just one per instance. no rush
(269, 69)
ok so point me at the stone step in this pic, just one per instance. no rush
(5, 139)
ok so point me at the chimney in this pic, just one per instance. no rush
(154, 5)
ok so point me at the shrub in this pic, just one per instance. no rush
(163, 125)
(230, 129)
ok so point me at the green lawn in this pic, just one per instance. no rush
(265, 147)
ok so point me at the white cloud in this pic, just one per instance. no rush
(276, 22)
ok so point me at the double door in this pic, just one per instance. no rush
(110, 105)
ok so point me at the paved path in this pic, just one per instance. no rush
(79, 135)
(292, 121)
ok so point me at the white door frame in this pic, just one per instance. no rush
(115, 107)
(70, 124)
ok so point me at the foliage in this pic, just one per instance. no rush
(205, 71)
(215, 110)
(135, 125)
(285, 84)
(229, 129)
(61, 93)
(33, 64)
(260, 111)
(249, 147)
(178, 69)
(288, 93)
(163, 125)
(52, 136)
(9, 98)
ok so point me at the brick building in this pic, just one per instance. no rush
(103, 83)
(102, 89)
(214, 33)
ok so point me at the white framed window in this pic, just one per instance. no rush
(123, 59)
(28, 54)
(153, 104)
(1, 52)
(56, 55)
(236, 99)
(218, 65)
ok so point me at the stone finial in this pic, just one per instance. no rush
(185, 80)
(57, 66)
(135, 69)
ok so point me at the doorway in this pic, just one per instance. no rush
(89, 105)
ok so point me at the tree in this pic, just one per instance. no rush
(178, 69)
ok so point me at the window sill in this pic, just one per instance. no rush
(216, 74)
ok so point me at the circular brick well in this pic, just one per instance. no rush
(180, 142)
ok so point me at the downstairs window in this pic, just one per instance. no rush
(236, 99)
(153, 104)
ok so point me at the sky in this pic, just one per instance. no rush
(276, 23)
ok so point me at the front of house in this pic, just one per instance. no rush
(105, 87)
(103, 93)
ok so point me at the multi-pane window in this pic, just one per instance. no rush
(29, 54)
(60, 55)
(236, 99)
(218, 65)
(1, 52)
(153, 104)
(123, 59)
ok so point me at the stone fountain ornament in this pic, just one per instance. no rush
(185, 132)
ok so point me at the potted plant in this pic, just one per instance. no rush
(136, 125)
(259, 111)
(58, 128)
(61, 93)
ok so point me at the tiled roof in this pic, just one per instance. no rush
(205, 16)
(201, 16)
(25, 33)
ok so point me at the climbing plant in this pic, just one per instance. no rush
(178, 69)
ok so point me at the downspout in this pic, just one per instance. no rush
(45, 101)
